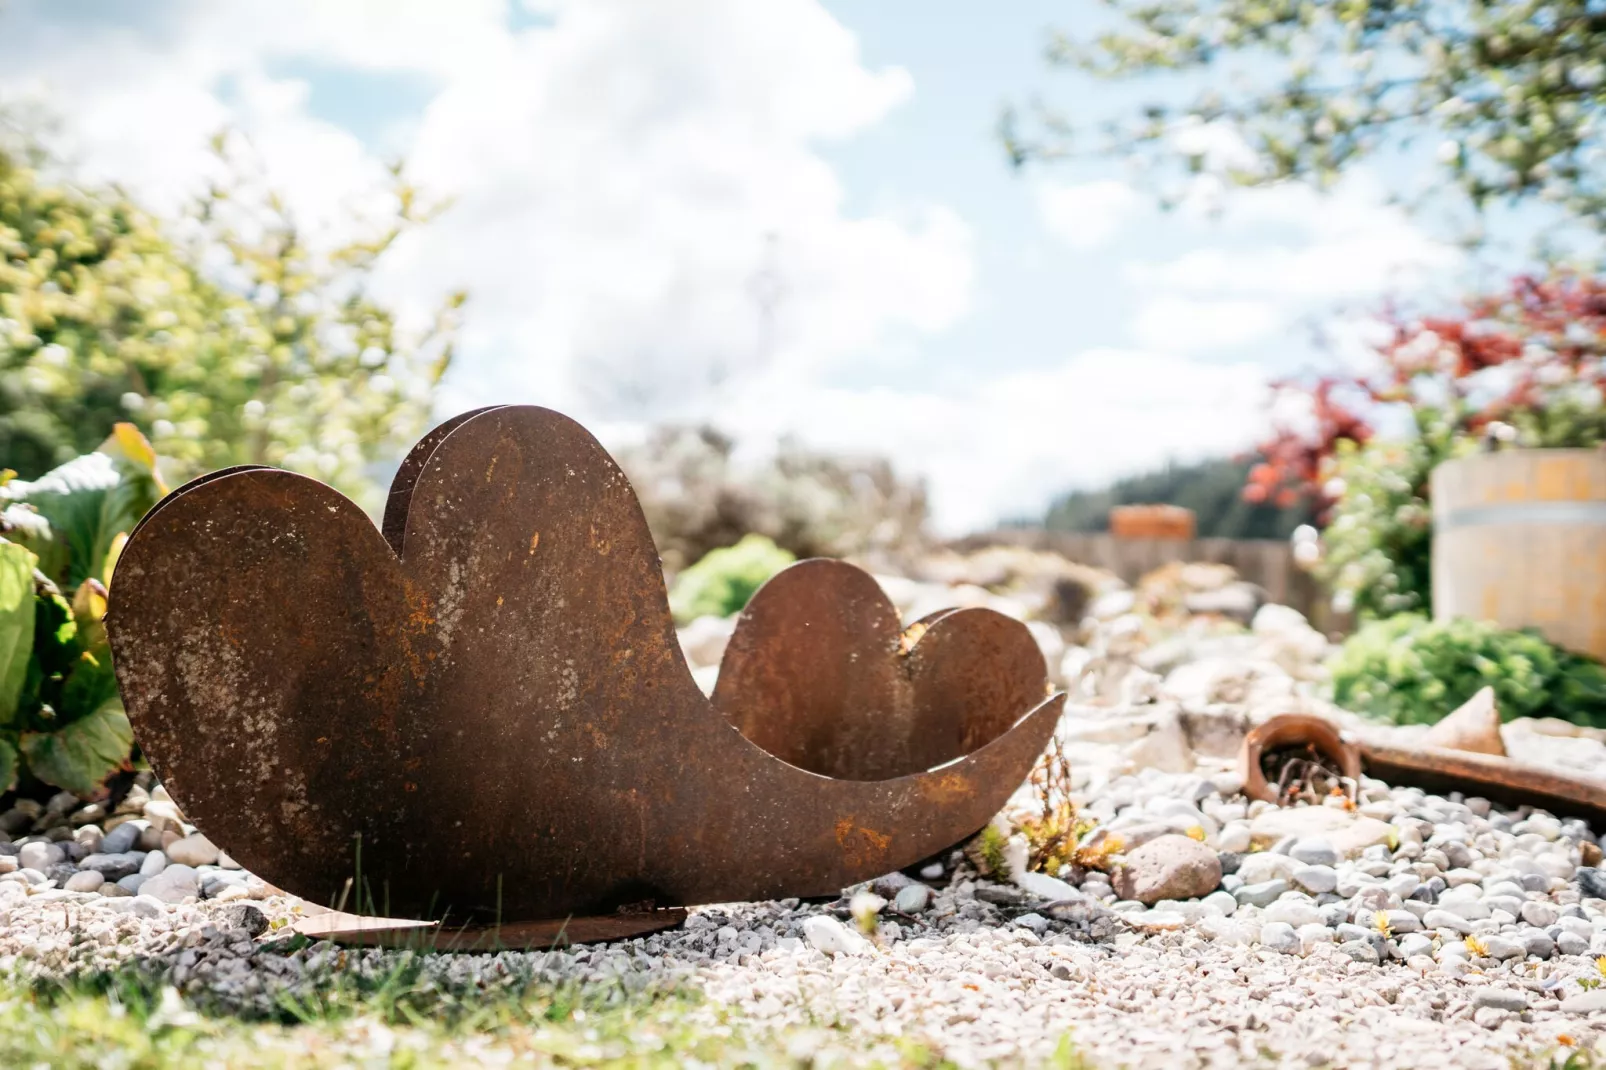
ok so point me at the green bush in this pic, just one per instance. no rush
(721, 583)
(61, 720)
(1378, 543)
(1411, 670)
(110, 314)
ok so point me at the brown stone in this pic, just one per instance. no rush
(1474, 727)
(1169, 867)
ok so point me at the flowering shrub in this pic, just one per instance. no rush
(1526, 366)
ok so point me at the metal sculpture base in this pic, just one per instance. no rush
(358, 931)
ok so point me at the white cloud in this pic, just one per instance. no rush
(1302, 244)
(999, 447)
(1193, 325)
(1086, 215)
(1259, 261)
(634, 186)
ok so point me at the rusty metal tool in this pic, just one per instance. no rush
(480, 711)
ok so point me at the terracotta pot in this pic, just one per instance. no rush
(1291, 730)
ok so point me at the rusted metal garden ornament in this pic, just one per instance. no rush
(481, 712)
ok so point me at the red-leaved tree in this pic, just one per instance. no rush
(1529, 357)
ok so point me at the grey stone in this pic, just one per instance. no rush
(131, 884)
(120, 839)
(1035, 922)
(1591, 882)
(1500, 998)
(112, 867)
(1539, 914)
(1314, 851)
(1502, 948)
(87, 880)
(1413, 944)
(912, 899)
(1403, 921)
(1316, 879)
(1510, 904)
(1259, 895)
(1265, 866)
(1571, 944)
(172, 885)
(1361, 952)
(1279, 936)
(1443, 919)
(1537, 943)
(40, 856)
(1294, 912)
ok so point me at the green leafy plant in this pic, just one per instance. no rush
(1410, 670)
(722, 582)
(1378, 543)
(61, 720)
(232, 335)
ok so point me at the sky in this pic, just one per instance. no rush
(788, 218)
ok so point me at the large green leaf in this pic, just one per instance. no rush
(71, 515)
(81, 755)
(16, 624)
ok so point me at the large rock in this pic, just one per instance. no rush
(1170, 867)
(1474, 727)
(1348, 833)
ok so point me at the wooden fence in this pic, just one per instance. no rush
(1268, 563)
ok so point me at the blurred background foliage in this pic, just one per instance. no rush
(1213, 489)
(225, 336)
(698, 498)
(1507, 95)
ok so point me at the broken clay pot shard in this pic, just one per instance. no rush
(482, 709)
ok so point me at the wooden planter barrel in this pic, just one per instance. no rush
(1519, 538)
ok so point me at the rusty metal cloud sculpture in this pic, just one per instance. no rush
(483, 707)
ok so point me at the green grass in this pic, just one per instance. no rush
(408, 1016)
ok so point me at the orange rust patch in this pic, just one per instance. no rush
(861, 845)
(535, 540)
(948, 788)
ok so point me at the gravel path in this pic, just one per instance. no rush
(988, 973)
(1401, 929)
